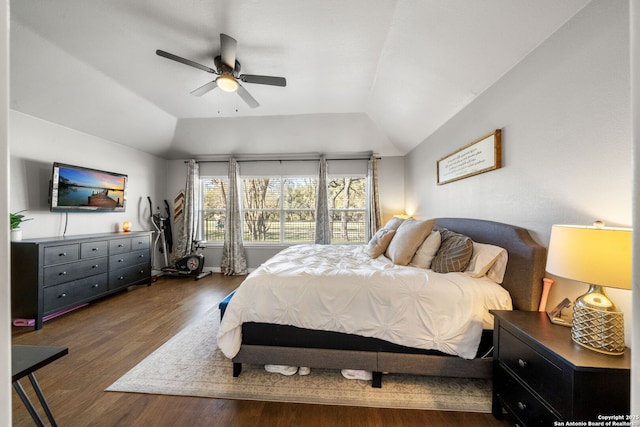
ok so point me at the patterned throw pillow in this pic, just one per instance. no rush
(454, 253)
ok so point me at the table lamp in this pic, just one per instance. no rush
(599, 256)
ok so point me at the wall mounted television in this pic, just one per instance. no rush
(81, 189)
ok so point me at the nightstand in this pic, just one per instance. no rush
(541, 376)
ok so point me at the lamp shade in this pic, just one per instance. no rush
(594, 255)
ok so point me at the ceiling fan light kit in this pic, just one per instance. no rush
(228, 70)
(227, 83)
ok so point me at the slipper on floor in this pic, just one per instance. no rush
(355, 374)
(281, 369)
(303, 370)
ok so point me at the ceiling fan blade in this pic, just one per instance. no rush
(264, 80)
(246, 96)
(185, 61)
(228, 48)
(205, 88)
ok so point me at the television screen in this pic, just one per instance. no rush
(76, 188)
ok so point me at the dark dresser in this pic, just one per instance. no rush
(49, 275)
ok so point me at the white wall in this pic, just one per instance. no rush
(391, 186)
(5, 274)
(564, 112)
(35, 144)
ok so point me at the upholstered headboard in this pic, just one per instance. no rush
(527, 259)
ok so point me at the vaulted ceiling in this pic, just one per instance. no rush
(362, 75)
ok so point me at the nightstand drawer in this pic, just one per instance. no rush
(543, 376)
(529, 410)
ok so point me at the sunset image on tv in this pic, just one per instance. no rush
(78, 187)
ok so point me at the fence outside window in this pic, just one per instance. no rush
(282, 209)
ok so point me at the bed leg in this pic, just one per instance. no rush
(376, 380)
(237, 368)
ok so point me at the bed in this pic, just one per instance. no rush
(332, 344)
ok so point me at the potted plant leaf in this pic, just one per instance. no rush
(15, 221)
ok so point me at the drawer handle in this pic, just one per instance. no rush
(94, 249)
(121, 278)
(522, 363)
(62, 273)
(139, 243)
(141, 256)
(141, 271)
(121, 260)
(522, 406)
(95, 266)
(62, 295)
(62, 254)
(95, 286)
(121, 245)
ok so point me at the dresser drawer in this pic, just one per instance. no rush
(69, 294)
(140, 242)
(126, 276)
(128, 259)
(61, 254)
(525, 406)
(62, 273)
(94, 249)
(543, 376)
(119, 246)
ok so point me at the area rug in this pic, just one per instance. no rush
(190, 364)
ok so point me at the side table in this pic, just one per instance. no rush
(25, 360)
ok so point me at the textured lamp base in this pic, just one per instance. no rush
(598, 330)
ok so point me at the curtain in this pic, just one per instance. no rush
(374, 219)
(323, 223)
(234, 260)
(188, 227)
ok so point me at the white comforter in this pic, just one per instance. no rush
(340, 288)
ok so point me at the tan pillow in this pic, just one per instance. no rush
(427, 250)
(454, 253)
(409, 236)
(379, 242)
(393, 223)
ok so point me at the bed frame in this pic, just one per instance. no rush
(278, 345)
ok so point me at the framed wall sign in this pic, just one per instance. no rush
(482, 155)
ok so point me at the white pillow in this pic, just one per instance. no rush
(496, 272)
(425, 253)
(483, 258)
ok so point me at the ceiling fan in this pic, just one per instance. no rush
(228, 71)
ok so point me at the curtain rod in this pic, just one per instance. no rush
(281, 160)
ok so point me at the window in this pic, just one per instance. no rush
(279, 209)
(214, 204)
(347, 208)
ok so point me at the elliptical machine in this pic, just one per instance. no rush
(189, 265)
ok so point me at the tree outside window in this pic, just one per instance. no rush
(282, 209)
(214, 208)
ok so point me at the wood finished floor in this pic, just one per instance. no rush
(110, 336)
